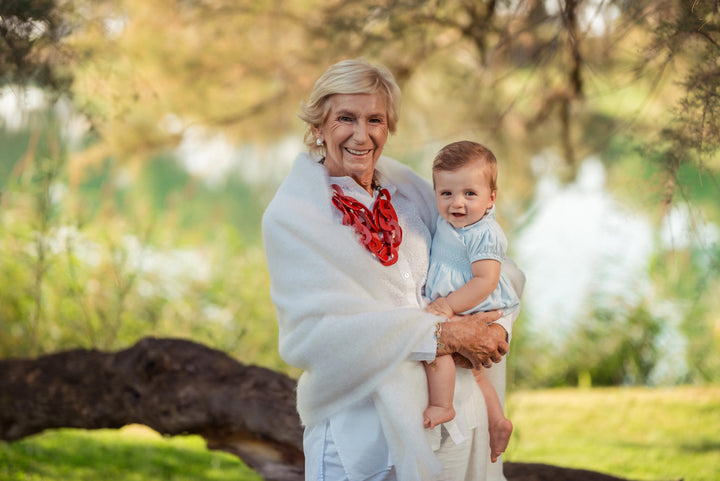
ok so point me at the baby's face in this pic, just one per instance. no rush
(463, 195)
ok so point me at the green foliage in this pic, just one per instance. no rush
(689, 276)
(104, 265)
(618, 347)
(615, 345)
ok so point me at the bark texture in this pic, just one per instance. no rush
(179, 387)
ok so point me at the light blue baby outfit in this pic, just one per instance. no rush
(452, 254)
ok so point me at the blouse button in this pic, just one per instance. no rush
(406, 275)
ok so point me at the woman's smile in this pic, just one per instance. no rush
(358, 152)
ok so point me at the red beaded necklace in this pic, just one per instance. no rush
(379, 230)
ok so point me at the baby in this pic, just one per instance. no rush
(465, 273)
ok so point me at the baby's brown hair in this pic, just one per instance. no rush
(459, 154)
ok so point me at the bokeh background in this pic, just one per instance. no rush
(140, 142)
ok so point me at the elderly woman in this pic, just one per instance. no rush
(347, 240)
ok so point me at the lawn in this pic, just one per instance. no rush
(134, 453)
(637, 433)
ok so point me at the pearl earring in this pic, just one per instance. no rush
(319, 142)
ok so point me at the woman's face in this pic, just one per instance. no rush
(354, 132)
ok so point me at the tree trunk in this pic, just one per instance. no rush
(173, 386)
(179, 387)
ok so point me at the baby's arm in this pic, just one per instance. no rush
(486, 275)
(440, 307)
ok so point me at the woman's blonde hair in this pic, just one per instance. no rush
(459, 154)
(354, 76)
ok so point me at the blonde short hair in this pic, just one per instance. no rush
(355, 76)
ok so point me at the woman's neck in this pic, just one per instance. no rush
(367, 184)
(366, 180)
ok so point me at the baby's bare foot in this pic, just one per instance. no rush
(435, 415)
(499, 437)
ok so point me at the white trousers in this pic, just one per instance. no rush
(324, 464)
(329, 467)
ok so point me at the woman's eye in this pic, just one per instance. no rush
(344, 118)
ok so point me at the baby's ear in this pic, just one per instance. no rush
(493, 196)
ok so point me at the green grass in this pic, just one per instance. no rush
(133, 453)
(636, 433)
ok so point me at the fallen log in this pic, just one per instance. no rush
(180, 387)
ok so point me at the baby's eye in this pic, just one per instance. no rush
(470, 193)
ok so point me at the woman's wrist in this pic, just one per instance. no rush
(499, 330)
(438, 333)
(444, 337)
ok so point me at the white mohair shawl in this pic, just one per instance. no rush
(338, 321)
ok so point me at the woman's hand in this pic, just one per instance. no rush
(472, 342)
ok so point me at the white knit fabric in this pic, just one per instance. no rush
(338, 321)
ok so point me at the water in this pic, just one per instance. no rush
(579, 243)
(582, 247)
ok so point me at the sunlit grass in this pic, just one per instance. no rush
(635, 433)
(130, 454)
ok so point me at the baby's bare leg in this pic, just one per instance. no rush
(441, 385)
(499, 426)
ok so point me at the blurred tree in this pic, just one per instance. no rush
(532, 74)
(636, 81)
(226, 66)
(688, 40)
(31, 42)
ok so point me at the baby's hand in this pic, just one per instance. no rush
(440, 307)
